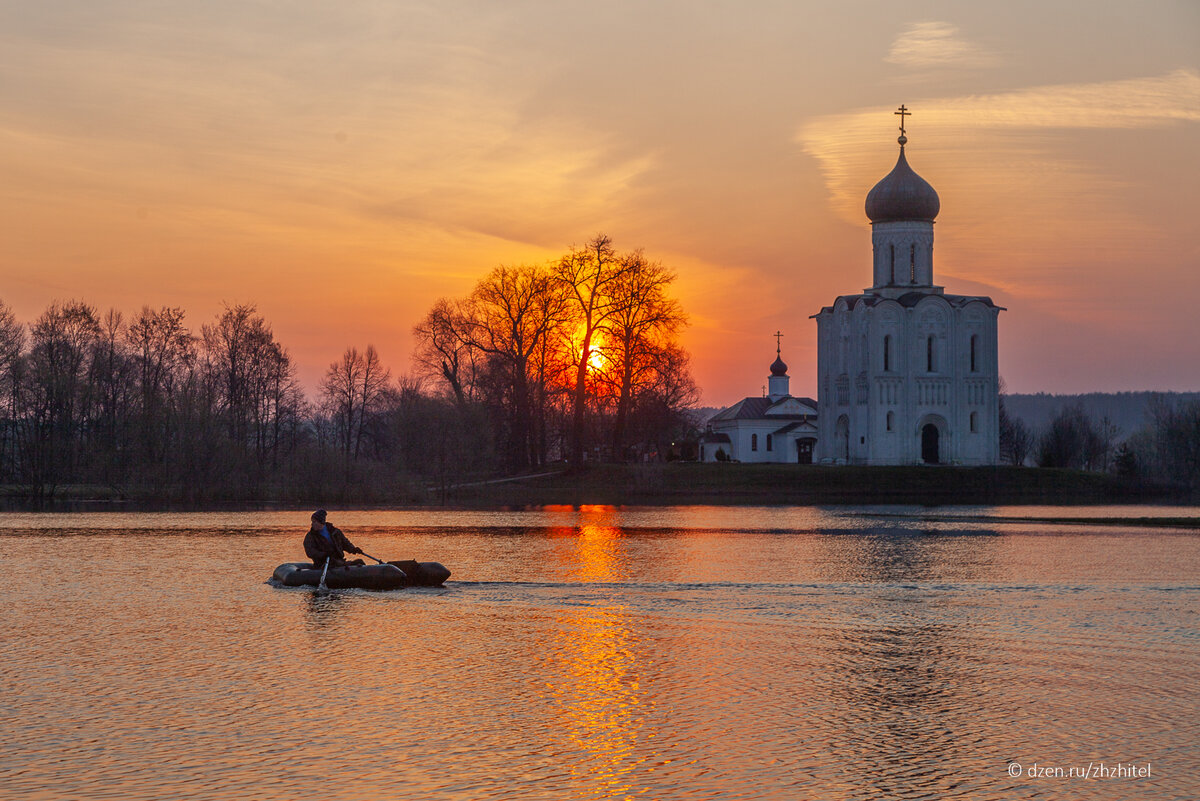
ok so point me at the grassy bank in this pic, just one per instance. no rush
(663, 485)
(737, 484)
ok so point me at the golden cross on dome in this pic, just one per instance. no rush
(903, 112)
(777, 335)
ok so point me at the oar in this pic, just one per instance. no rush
(322, 586)
(383, 562)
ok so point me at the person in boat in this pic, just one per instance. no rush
(326, 541)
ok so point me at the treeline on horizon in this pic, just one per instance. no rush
(578, 358)
(1129, 411)
(1164, 446)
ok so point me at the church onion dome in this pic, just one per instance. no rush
(902, 196)
(778, 367)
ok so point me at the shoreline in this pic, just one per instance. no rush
(675, 484)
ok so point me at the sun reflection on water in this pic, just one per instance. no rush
(596, 684)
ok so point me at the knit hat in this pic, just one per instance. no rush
(319, 515)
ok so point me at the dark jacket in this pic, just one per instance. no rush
(319, 549)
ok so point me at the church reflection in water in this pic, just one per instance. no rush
(594, 682)
(903, 668)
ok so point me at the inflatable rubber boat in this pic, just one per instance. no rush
(387, 576)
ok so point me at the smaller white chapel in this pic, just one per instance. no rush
(774, 428)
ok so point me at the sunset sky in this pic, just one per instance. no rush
(344, 165)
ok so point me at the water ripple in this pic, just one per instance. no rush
(587, 661)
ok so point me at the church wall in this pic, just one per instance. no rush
(851, 358)
(859, 371)
(844, 385)
(825, 397)
(888, 345)
(981, 384)
(933, 393)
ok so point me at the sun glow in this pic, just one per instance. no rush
(596, 359)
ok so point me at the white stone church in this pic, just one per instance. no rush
(906, 373)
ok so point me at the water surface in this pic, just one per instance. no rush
(789, 652)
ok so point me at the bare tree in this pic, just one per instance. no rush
(12, 344)
(1016, 440)
(61, 344)
(642, 323)
(1176, 438)
(588, 273)
(512, 311)
(162, 350)
(662, 409)
(251, 378)
(1071, 441)
(230, 344)
(353, 387)
(109, 389)
(444, 349)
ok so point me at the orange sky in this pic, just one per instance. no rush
(344, 165)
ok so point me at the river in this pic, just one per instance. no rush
(594, 653)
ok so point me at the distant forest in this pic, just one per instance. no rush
(1128, 411)
(573, 360)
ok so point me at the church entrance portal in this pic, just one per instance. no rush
(929, 444)
(804, 451)
(841, 436)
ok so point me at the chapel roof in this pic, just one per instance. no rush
(793, 426)
(757, 407)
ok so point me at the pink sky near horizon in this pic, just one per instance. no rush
(344, 167)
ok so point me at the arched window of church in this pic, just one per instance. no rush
(887, 353)
(768, 442)
(754, 442)
(891, 421)
(974, 421)
(930, 364)
(974, 353)
(912, 263)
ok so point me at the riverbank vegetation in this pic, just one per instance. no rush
(576, 357)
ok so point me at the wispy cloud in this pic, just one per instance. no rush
(926, 45)
(1030, 203)
(978, 134)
